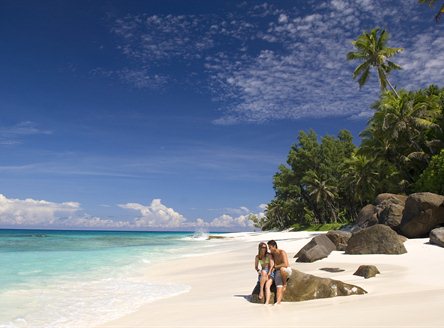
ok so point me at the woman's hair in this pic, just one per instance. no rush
(261, 244)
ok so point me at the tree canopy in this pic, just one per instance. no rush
(329, 179)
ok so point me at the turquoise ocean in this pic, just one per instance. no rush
(52, 278)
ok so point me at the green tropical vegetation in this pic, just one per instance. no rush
(432, 178)
(326, 181)
(371, 49)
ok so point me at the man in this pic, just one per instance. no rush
(282, 269)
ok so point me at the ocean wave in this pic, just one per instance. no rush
(197, 236)
(83, 303)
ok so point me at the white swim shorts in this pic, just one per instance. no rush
(278, 278)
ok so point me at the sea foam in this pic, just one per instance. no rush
(82, 303)
(81, 279)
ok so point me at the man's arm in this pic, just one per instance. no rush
(285, 258)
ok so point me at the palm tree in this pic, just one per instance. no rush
(373, 52)
(322, 192)
(362, 175)
(404, 132)
(407, 118)
(431, 3)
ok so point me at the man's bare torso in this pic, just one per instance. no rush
(278, 257)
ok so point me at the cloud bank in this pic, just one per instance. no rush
(31, 213)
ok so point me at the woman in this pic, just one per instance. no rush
(265, 260)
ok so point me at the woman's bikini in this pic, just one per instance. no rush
(265, 265)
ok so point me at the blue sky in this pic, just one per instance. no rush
(176, 114)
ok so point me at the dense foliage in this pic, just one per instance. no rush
(328, 181)
(432, 179)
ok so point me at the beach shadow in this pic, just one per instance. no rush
(245, 297)
(429, 243)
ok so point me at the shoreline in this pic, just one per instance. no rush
(408, 292)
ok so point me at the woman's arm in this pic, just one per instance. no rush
(271, 265)
(256, 263)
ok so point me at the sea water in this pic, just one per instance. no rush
(68, 279)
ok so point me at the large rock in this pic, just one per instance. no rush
(377, 239)
(367, 271)
(318, 248)
(303, 287)
(389, 208)
(437, 236)
(339, 238)
(254, 297)
(392, 198)
(423, 212)
(390, 214)
(367, 216)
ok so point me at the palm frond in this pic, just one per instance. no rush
(424, 123)
(352, 55)
(383, 37)
(440, 12)
(417, 155)
(390, 52)
(364, 77)
(382, 78)
(389, 65)
(361, 68)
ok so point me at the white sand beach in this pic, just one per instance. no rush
(409, 292)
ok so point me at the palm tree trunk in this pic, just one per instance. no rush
(393, 89)
(390, 85)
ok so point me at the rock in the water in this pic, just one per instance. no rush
(423, 212)
(333, 270)
(339, 238)
(367, 216)
(437, 236)
(318, 248)
(216, 237)
(377, 239)
(367, 271)
(303, 287)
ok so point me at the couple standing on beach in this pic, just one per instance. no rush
(273, 266)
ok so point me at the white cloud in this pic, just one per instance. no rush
(241, 220)
(422, 60)
(87, 221)
(263, 207)
(139, 78)
(12, 135)
(155, 215)
(283, 18)
(281, 63)
(33, 212)
(41, 213)
(364, 115)
(160, 216)
(161, 37)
